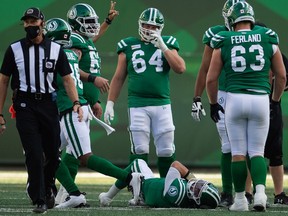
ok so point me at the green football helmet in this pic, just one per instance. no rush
(241, 11)
(151, 16)
(203, 193)
(58, 30)
(84, 20)
(228, 4)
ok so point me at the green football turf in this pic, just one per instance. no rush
(13, 199)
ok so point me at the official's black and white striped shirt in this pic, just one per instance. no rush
(33, 67)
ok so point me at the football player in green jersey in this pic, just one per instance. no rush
(86, 30)
(274, 144)
(179, 189)
(75, 134)
(246, 54)
(198, 109)
(146, 61)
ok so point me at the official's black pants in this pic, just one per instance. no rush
(37, 121)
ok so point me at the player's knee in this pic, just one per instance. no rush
(142, 149)
(226, 148)
(276, 161)
(165, 152)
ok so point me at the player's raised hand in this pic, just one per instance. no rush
(197, 109)
(109, 112)
(112, 12)
(158, 41)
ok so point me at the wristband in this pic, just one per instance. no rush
(197, 99)
(108, 21)
(77, 102)
(189, 176)
(91, 78)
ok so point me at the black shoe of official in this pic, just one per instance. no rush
(249, 197)
(50, 200)
(40, 209)
(226, 200)
(281, 199)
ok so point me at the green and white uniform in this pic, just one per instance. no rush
(246, 57)
(149, 99)
(148, 71)
(90, 62)
(163, 192)
(74, 134)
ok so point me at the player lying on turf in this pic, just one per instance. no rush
(179, 188)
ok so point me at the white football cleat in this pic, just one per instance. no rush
(104, 199)
(260, 201)
(73, 201)
(239, 205)
(135, 184)
(61, 195)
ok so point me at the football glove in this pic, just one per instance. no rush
(214, 111)
(109, 112)
(158, 41)
(197, 109)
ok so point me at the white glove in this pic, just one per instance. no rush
(109, 112)
(197, 109)
(158, 41)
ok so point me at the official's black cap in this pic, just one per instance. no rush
(34, 13)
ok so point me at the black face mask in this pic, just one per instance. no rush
(32, 32)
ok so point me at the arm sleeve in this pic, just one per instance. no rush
(172, 174)
(62, 65)
(8, 65)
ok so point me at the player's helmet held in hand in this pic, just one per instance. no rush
(58, 30)
(239, 12)
(151, 16)
(84, 20)
(204, 193)
(228, 4)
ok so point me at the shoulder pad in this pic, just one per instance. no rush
(211, 32)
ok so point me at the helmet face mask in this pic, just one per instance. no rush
(153, 17)
(204, 193)
(84, 20)
(228, 4)
(240, 12)
(59, 31)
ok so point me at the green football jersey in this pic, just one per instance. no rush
(90, 62)
(176, 195)
(246, 56)
(63, 101)
(207, 37)
(148, 71)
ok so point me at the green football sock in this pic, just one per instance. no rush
(105, 167)
(72, 164)
(258, 170)
(227, 184)
(163, 164)
(239, 175)
(63, 176)
(122, 184)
